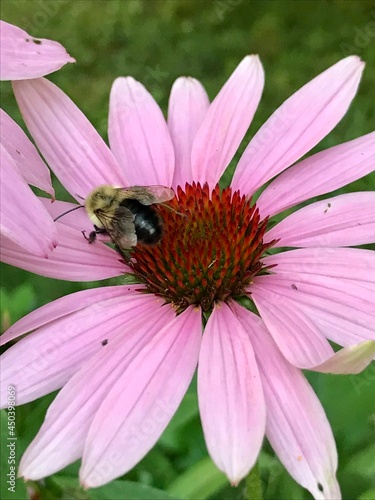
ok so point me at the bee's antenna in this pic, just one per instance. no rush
(68, 212)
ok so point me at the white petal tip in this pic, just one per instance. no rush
(184, 81)
(251, 59)
(355, 61)
(253, 56)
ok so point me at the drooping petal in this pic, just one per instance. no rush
(60, 308)
(45, 360)
(341, 309)
(297, 426)
(227, 121)
(347, 219)
(298, 124)
(353, 359)
(24, 154)
(23, 57)
(319, 174)
(188, 105)
(343, 329)
(73, 259)
(302, 342)
(138, 407)
(61, 438)
(24, 220)
(73, 149)
(294, 333)
(345, 263)
(138, 134)
(230, 395)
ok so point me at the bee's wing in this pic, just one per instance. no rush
(120, 227)
(105, 218)
(147, 195)
(123, 229)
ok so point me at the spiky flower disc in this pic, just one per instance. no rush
(211, 248)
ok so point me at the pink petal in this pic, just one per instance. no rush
(347, 219)
(353, 359)
(23, 57)
(61, 439)
(345, 263)
(341, 309)
(227, 121)
(298, 124)
(138, 134)
(188, 105)
(73, 259)
(125, 428)
(342, 327)
(24, 154)
(62, 307)
(78, 219)
(45, 360)
(24, 220)
(319, 174)
(297, 426)
(294, 333)
(302, 342)
(73, 149)
(230, 394)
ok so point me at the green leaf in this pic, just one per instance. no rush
(368, 495)
(155, 468)
(117, 490)
(199, 482)
(71, 470)
(253, 484)
(363, 463)
(187, 411)
(357, 405)
(30, 417)
(276, 480)
(15, 304)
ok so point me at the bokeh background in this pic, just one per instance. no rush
(157, 41)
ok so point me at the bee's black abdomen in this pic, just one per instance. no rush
(148, 226)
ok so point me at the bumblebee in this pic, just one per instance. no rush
(126, 215)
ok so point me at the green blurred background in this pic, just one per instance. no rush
(157, 41)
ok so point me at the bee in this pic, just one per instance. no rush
(126, 214)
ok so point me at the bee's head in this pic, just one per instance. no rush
(102, 198)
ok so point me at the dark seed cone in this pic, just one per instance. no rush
(210, 250)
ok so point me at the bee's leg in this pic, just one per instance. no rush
(91, 238)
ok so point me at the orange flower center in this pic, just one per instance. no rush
(210, 250)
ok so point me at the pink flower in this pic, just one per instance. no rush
(24, 220)
(123, 361)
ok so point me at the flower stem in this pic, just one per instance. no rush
(253, 488)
